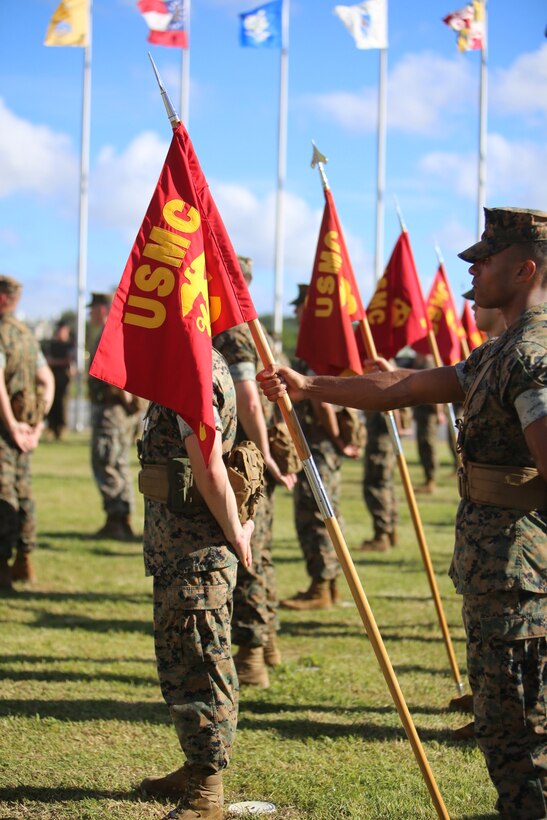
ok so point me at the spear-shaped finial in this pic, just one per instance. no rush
(318, 159)
(400, 215)
(171, 113)
(439, 253)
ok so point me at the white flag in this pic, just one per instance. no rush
(366, 22)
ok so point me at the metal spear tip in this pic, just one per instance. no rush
(174, 118)
(318, 157)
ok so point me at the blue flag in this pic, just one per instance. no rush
(261, 28)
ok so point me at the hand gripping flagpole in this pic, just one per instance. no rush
(337, 538)
(318, 160)
(434, 348)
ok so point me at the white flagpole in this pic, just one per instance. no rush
(381, 166)
(83, 227)
(483, 96)
(281, 169)
(185, 70)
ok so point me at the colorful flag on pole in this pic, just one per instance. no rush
(181, 284)
(69, 25)
(397, 314)
(468, 22)
(262, 27)
(166, 20)
(326, 340)
(475, 338)
(444, 319)
(366, 22)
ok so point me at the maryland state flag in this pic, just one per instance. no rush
(182, 283)
(445, 322)
(397, 314)
(326, 341)
(474, 336)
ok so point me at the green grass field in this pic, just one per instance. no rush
(82, 720)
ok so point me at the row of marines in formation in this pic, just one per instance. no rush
(212, 568)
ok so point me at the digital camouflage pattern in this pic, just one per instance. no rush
(497, 548)
(504, 227)
(378, 485)
(427, 425)
(500, 566)
(198, 679)
(20, 358)
(255, 598)
(113, 427)
(186, 543)
(507, 666)
(315, 542)
(194, 571)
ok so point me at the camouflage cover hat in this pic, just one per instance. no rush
(246, 265)
(469, 294)
(9, 285)
(301, 298)
(100, 299)
(504, 227)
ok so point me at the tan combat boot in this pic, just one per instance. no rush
(380, 543)
(464, 703)
(251, 667)
(317, 596)
(427, 488)
(203, 799)
(464, 732)
(5, 575)
(113, 529)
(172, 785)
(22, 569)
(334, 593)
(272, 654)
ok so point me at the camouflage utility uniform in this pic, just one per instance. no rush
(315, 542)
(20, 358)
(378, 485)
(113, 427)
(194, 571)
(255, 596)
(427, 425)
(500, 567)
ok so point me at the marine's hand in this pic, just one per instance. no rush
(374, 365)
(351, 451)
(242, 544)
(278, 380)
(22, 434)
(288, 481)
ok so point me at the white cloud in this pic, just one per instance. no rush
(514, 173)
(416, 104)
(521, 88)
(122, 183)
(34, 158)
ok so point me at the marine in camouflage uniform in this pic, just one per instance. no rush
(378, 484)
(500, 567)
(23, 369)
(114, 419)
(194, 569)
(500, 554)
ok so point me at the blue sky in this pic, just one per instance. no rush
(432, 142)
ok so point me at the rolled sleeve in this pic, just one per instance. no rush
(531, 406)
(243, 372)
(185, 429)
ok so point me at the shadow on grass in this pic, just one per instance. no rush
(89, 597)
(341, 629)
(45, 794)
(84, 711)
(50, 620)
(22, 658)
(264, 708)
(58, 676)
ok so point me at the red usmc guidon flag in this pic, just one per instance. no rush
(181, 284)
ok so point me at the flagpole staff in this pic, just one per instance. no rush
(434, 348)
(185, 70)
(318, 160)
(337, 538)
